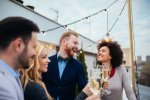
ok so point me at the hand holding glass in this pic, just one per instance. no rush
(105, 75)
(95, 81)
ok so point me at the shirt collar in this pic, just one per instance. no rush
(58, 54)
(9, 69)
(67, 59)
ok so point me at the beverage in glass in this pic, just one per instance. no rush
(95, 80)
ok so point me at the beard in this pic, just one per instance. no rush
(71, 51)
(23, 59)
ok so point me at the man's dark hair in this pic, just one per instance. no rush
(115, 52)
(14, 27)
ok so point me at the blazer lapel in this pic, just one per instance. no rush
(18, 86)
(66, 70)
(56, 70)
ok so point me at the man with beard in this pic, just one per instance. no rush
(64, 72)
(18, 39)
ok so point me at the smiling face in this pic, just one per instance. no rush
(104, 55)
(71, 45)
(43, 60)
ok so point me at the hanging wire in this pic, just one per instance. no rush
(111, 4)
(113, 23)
(107, 34)
(117, 17)
(91, 16)
(107, 20)
(79, 19)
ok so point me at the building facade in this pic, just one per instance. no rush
(148, 59)
(51, 38)
(139, 58)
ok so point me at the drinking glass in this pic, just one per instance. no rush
(95, 81)
(105, 76)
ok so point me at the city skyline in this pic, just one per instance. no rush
(140, 58)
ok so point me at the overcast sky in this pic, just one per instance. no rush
(96, 27)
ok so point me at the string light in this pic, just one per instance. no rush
(99, 41)
(81, 51)
(108, 38)
(118, 17)
(81, 18)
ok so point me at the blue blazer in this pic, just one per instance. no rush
(65, 87)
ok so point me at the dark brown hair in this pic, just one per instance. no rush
(14, 27)
(115, 52)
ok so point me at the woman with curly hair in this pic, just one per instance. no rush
(110, 54)
(34, 88)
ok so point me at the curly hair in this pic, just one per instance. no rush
(115, 52)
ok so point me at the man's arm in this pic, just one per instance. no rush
(81, 78)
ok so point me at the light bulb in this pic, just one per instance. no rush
(107, 39)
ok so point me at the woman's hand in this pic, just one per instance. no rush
(87, 90)
(106, 85)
